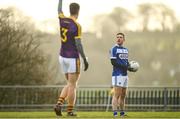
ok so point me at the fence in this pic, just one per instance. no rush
(89, 98)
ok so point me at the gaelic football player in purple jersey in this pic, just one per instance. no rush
(69, 57)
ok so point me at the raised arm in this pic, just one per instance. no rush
(60, 6)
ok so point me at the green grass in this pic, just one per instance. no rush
(94, 115)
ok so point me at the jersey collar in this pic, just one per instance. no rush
(118, 45)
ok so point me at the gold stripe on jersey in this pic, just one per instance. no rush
(78, 37)
(79, 30)
(61, 15)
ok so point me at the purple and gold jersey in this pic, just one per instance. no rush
(69, 30)
(121, 55)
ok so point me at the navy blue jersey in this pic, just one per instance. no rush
(120, 54)
(69, 30)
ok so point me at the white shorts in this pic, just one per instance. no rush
(69, 65)
(120, 81)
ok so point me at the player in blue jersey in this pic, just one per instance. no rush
(69, 58)
(119, 60)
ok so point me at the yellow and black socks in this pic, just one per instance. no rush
(70, 108)
(60, 100)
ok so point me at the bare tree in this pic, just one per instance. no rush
(108, 24)
(121, 17)
(163, 15)
(21, 60)
(146, 10)
(167, 17)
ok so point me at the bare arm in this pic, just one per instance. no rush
(60, 6)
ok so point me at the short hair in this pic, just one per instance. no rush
(74, 8)
(121, 34)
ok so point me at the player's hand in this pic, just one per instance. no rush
(131, 69)
(86, 64)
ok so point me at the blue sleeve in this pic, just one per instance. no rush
(113, 53)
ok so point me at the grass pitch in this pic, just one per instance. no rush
(91, 115)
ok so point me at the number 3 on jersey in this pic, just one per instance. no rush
(64, 34)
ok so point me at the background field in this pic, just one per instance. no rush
(94, 115)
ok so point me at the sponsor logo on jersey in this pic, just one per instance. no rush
(122, 51)
(123, 56)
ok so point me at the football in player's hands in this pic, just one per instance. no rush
(134, 66)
